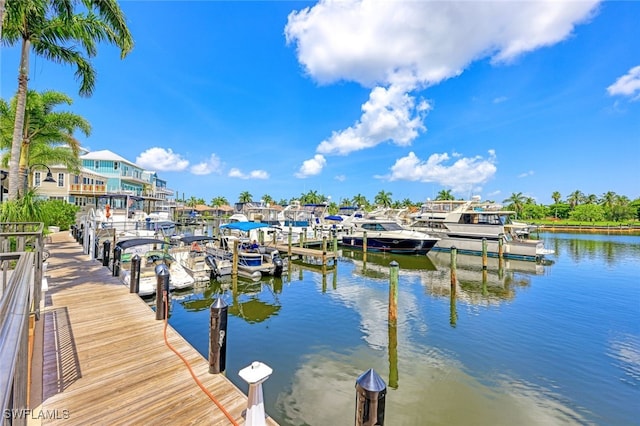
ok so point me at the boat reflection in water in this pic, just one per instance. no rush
(245, 298)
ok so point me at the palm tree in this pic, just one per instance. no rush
(245, 197)
(219, 201)
(48, 135)
(267, 199)
(591, 199)
(53, 31)
(383, 199)
(608, 199)
(556, 197)
(360, 200)
(516, 202)
(445, 195)
(575, 198)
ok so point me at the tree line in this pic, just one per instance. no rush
(576, 206)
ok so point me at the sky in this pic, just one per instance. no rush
(354, 97)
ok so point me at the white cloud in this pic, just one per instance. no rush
(627, 85)
(340, 178)
(525, 174)
(389, 114)
(500, 100)
(397, 47)
(161, 159)
(466, 173)
(254, 174)
(312, 166)
(212, 165)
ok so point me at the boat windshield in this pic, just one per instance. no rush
(382, 226)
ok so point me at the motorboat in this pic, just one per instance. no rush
(383, 235)
(468, 224)
(254, 259)
(191, 252)
(151, 253)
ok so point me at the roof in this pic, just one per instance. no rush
(245, 226)
(188, 239)
(105, 154)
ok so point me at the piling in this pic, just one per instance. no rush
(162, 286)
(500, 248)
(290, 241)
(370, 399)
(454, 253)
(324, 251)
(218, 336)
(134, 278)
(234, 263)
(335, 244)
(117, 254)
(484, 254)
(393, 290)
(255, 374)
(364, 246)
(106, 249)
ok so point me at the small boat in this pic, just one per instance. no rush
(254, 260)
(191, 252)
(154, 252)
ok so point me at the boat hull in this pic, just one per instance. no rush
(389, 245)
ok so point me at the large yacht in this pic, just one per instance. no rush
(464, 224)
(383, 234)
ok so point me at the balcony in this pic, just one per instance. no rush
(87, 189)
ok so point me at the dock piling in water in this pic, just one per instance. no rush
(162, 284)
(393, 290)
(218, 336)
(484, 254)
(106, 250)
(134, 278)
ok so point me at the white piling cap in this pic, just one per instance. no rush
(256, 372)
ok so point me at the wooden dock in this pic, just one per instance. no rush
(103, 358)
(305, 251)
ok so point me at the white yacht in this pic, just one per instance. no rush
(464, 224)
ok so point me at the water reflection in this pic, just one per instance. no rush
(611, 248)
(247, 300)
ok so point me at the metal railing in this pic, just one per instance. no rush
(21, 254)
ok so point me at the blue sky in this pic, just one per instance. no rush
(354, 97)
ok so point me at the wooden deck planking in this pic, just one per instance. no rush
(105, 360)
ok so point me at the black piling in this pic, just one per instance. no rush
(218, 336)
(370, 399)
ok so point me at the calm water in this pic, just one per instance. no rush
(527, 344)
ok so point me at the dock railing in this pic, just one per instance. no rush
(21, 258)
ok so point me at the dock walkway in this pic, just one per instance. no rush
(104, 360)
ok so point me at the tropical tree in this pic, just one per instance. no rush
(516, 202)
(52, 30)
(556, 197)
(360, 200)
(407, 202)
(575, 198)
(48, 136)
(267, 199)
(445, 194)
(383, 199)
(219, 201)
(245, 197)
(591, 199)
(608, 199)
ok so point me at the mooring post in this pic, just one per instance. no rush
(394, 269)
(96, 248)
(261, 237)
(370, 399)
(324, 251)
(234, 263)
(117, 254)
(484, 253)
(500, 243)
(134, 277)
(255, 374)
(218, 336)
(301, 237)
(364, 246)
(454, 253)
(290, 240)
(162, 285)
(106, 249)
(335, 244)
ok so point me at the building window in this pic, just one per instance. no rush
(76, 179)
(115, 165)
(60, 180)
(36, 179)
(96, 164)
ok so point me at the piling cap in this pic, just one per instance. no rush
(219, 304)
(370, 381)
(393, 263)
(135, 257)
(162, 270)
(256, 372)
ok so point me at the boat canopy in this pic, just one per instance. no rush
(332, 217)
(245, 226)
(125, 244)
(188, 239)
